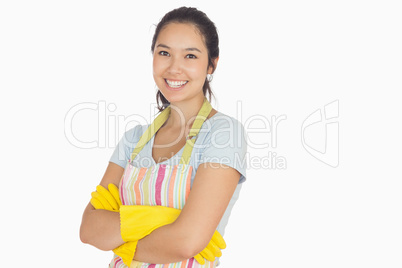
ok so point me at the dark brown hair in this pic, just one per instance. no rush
(207, 30)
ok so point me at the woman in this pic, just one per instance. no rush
(193, 139)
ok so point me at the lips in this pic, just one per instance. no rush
(175, 84)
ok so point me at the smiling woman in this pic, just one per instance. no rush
(199, 26)
(173, 210)
(181, 62)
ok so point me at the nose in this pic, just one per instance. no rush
(175, 66)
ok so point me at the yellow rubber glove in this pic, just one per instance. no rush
(212, 250)
(110, 200)
(104, 199)
(136, 222)
(146, 219)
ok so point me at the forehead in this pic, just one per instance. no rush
(181, 35)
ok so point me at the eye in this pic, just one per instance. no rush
(191, 56)
(163, 53)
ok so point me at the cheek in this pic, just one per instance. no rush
(156, 65)
(197, 70)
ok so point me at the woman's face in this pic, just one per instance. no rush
(180, 62)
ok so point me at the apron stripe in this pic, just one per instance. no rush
(166, 183)
(179, 187)
(171, 187)
(137, 191)
(176, 182)
(130, 185)
(149, 183)
(158, 186)
(122, 187)
(155, 174)
(190, 263)
(145, 187)
(121, 191)
(188, 182)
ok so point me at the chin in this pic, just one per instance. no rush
(173, 99)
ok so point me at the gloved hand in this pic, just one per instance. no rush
(139, 221)
(212, 250)
(104, 199)
(110, 200)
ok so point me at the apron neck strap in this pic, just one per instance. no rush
(190, 139)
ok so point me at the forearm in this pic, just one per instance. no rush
(167, 244)
(101, 228)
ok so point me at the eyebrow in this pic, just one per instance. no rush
(187, 49)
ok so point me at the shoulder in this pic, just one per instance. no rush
(223, 141)
(222, 128)
(222, 121)
(223, 135)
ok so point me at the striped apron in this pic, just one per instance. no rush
(161, 185)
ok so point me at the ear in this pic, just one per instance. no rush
(210, 68)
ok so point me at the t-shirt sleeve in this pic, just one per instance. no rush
(226, 144)
(126, 145)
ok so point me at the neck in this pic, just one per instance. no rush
(184, 113)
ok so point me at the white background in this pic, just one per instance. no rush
(277, 58)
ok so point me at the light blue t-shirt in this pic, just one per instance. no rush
(221, 140)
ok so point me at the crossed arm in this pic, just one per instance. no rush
(213, 187)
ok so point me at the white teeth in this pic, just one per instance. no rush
(175, 83)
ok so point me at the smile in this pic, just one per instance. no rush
(175, 84)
